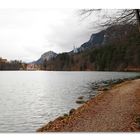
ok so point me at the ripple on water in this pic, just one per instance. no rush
(30, 99)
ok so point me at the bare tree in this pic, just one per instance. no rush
(137, 13)
(125, 16)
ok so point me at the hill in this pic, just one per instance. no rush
(115, 49)
(45, 57)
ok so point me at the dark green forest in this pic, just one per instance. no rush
(120, 53)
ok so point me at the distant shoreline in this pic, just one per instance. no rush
(112, 110)
(78, 70)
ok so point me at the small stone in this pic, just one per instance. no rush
(80, 101)
(65, 115)
(81, 97)
(71, 111)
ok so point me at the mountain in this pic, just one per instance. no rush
(46, 57)
(115, 49)
(116, 32)
(95, 40)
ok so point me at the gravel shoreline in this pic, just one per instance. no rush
(78, 120)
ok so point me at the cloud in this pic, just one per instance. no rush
(27, 33)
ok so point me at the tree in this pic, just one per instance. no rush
(137, 12)
(125, 16)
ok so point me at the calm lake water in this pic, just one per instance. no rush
(28, 99)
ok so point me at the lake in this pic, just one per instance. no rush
(29, 99)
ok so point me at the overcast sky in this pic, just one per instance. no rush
(25, 34)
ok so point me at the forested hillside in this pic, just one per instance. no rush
(119, 51)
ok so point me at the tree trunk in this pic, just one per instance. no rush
(137, 11)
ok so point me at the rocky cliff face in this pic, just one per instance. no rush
(46, 57)
(116, 32)
(95, 40)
